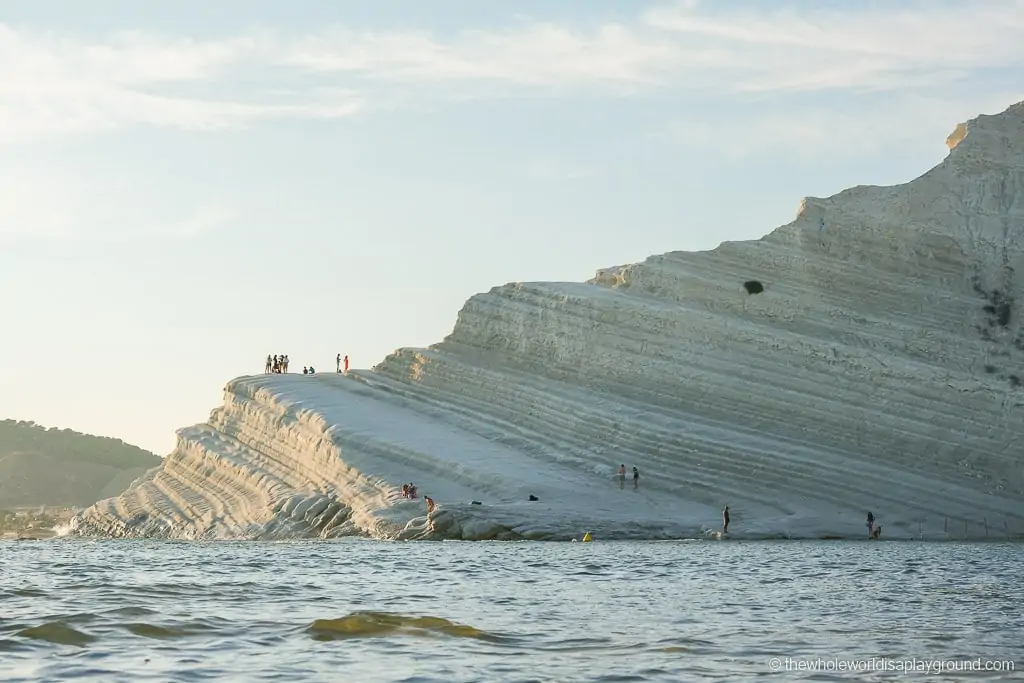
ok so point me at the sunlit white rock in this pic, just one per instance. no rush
(878, 369)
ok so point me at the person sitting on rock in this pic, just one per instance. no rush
(304, 370)
(877, 533)
(412, 490)
(312, 370)
(405, 490)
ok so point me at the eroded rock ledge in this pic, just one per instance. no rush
(868, 355)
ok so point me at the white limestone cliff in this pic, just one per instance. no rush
(879, 369)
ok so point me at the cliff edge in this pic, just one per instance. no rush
(867, 356)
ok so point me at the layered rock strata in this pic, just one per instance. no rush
(867, 356)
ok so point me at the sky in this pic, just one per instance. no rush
(188, 186)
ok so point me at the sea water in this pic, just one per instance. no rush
(359, 610)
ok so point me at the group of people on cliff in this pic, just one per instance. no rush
(409, 491)
(276, 364)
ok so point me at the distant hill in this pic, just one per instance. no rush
(40, 466)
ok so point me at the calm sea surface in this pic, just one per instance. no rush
(358, 611)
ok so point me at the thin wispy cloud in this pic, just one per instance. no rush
(48, 203)
(816, 133)
(877, 47)
(765, 59)
(535, 55)
(53, 83)
(204, 220)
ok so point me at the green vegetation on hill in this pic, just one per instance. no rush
(40, 466)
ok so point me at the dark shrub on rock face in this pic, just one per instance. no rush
(1003, 314)
(753, 286)
(999, 308)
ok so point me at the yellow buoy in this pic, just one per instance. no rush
(586, 537)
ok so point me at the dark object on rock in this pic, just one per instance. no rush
(753, 286)
(1004, 313)
(999, 307)
(476, 502)
(533, 497)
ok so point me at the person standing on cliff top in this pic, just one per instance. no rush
(270, 365)
(346, 364)
(725, 520)
(622, 476)
(338, 361)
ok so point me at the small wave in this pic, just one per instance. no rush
(583, 645)
(134, 611)
(694, 646)
(64, 529)
(157, 632)
(57, 632)
(24, 593)
(378, 624)
(8, 645)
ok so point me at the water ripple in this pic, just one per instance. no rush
(361, 610)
